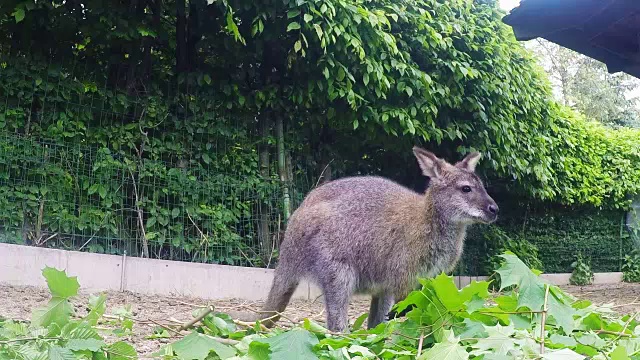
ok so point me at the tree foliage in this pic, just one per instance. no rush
(586, 85)
(170, 95)
(447, 72)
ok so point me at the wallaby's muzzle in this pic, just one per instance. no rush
(491, 211)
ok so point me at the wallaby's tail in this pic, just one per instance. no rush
(284, 284)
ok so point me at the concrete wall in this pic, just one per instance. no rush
(22, 265)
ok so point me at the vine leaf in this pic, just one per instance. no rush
(198, 346)
(294, 344)
(59, 309)
(449, 349)
(563, 354)
(531, 291)
(59, 353)
(121, 351)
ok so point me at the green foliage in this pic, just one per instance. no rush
(497, 242)
(140, 134)
(56, 333)
(558, 233)
(448, 323)
(453, 324)
(631, 267)
(582, 273)
(194, 183)
(587, 85)
(382, 72)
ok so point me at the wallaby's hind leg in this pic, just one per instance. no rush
(380, 306)
(284, 284)
(337, 290)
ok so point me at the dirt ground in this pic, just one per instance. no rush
(16, 302)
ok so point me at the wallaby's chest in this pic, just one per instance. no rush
(442, 254)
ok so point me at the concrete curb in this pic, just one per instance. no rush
(22, 265)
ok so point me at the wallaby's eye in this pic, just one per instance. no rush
(466, 189)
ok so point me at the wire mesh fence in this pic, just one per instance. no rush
(160, 175)
(83, 198)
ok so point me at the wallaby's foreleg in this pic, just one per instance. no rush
(337, 292)
(380, 305)
(284, 284)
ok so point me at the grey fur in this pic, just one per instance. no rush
(370, 235)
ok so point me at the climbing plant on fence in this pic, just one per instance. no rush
(86, 168)
(548, 237)
(153, 128)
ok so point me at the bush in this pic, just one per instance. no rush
(558, 233)
(582, 274)
(498, 242)
(631, 267)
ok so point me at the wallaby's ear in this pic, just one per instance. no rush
(430, 164)
(469, 162)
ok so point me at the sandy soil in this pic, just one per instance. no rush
(16, 302)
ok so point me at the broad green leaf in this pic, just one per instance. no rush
(531, 289)
(58, 312)
(80, 331)
(563, 354)
(314, 327)
(259, 351)
(18, 14)
(471, 330)
(359, 321)
(30, 351)
(198, 346)
(475, 303)
(102, 191)
(591, 339)
(59, 353)
(293, 26)
(121, 351)
(455, 300)
(563, 340)
(498, 341)
(361, 350)
(85, 344)
(294, 344)
(60, 284)
(449, 349)
(620, 353)
(97, 306)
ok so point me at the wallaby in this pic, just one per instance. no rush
(371, 235)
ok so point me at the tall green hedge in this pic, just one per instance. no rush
(557, 233)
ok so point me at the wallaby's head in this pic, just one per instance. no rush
(457, 192)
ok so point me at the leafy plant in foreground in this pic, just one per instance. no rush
(582, 273)
(444, 323)
(527, 319)
(54, 333)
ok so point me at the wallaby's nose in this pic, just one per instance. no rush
(493, 209)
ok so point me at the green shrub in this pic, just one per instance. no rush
(498, 242)
(582, 273)
(631, 267)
